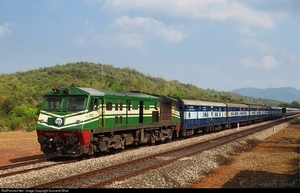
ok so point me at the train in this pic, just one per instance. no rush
(81, 121)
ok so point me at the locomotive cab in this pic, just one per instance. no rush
(60, 127)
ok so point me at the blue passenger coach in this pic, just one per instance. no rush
(237, 114)
(256, 112)
(276, 112)
(197, 115)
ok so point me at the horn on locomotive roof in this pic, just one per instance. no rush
(56, 90)
(66, 91)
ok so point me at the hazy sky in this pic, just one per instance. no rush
(213, 44)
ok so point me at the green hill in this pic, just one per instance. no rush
(286, 94)
(22, 92)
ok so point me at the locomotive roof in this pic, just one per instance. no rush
(100, 92)
(92, 91)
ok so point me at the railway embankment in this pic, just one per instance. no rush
(267, 159)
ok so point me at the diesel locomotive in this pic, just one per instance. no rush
(79, 121)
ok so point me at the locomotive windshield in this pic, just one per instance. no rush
(53, 103)
(74, 103)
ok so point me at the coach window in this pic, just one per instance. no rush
(109, 106)
(116, 106)
(121, 107)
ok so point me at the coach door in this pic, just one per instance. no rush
(127, 110)
(141, 112)
(98, 105)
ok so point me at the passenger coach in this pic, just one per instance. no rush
(237, 114)
(197, 115)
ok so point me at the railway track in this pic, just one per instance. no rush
(27, 166)
(18, 164)
(100, 178)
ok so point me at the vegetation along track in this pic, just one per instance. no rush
(104, 176)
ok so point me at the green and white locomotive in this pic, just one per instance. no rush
(77, 121)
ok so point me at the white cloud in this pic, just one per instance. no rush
(254, 44)
(294, 60)
(119, 40)
(149, 25)
(129, 33)
(221, 10)
(246, 31)
(267, 62)
(283, 54)
(128, 40)
(241, 14)
(4, 30)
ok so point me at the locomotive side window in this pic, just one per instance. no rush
(52, 103)
(109, 106)
(91, 106)
(96, 103)
(75, 103)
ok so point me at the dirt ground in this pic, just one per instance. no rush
(16, 146)
(274, 163)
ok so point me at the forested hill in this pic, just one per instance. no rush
(22, 92)
(286, 94)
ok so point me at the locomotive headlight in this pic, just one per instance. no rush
(58, 121)
(72, 140)
(78, 121)
(41, 120)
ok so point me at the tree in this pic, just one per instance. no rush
(295, 104)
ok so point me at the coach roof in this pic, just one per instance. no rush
(201, 103)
